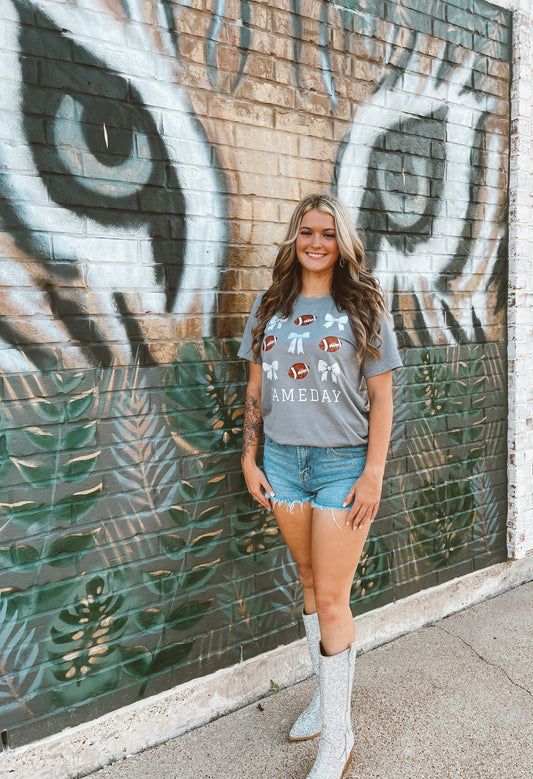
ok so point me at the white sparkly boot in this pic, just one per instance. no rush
(337, 739)
(309, 722)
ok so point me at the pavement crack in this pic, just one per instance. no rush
(484, 659)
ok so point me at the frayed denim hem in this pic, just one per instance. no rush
(289, 504)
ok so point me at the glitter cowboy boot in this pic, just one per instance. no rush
(309, 722)
(337, 739)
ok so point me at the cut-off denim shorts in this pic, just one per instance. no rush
(321, 476)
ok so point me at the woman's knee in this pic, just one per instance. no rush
(331, 604)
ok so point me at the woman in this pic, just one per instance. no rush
(310, 338)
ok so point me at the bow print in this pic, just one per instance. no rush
(276, 321)
(296, 341)
(340, 321)
(270, 370)
(325, 370)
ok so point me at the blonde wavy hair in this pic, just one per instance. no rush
(353, 288)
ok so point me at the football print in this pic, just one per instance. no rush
(330, 344)
(305, 319)
(298, 371)
(269, 342)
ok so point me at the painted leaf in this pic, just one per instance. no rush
(36, 472)
(80, 467)
(41, 439)
(23, 554)
(199, 441)
(5, 555)
(160, 582)
(466, 435)
(5, 460)
(66, 384)
(173, 545)
(48, 411)
(202, 545)
(67, 549)
(80, 436)
(170, 656)
(77, 407)
(15, 637)
(51, 597)
(199, 576)
(180, 515)
(136, 661)
(150, 619)
(184, 398)
(58, 637)
(26, 512)
(187, 490)
(189, 352)
(95, 587)
(188, 614)
(212, 487)
(77, 505)
(212, 349)
(117, 625)
(212, 514)
(68, 618)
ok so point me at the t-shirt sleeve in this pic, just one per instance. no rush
(245, 349)
(389, 356)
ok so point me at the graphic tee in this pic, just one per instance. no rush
(312, 375)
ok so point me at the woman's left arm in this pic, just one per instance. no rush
(366, 492)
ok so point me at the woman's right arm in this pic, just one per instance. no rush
(252, 430)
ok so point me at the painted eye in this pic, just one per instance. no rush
(97, 148)
(403, 181)
(98, 151)
(109, 184)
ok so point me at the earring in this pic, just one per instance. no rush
(341, 262)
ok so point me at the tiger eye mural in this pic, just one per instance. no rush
(150, 154)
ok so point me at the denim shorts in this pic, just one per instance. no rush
(301, 474)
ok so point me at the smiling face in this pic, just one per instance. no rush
(316, 244)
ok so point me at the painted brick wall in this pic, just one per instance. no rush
(520, 327)
(149, 156)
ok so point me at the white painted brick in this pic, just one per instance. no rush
(520, 313)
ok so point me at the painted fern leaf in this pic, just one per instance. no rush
(19, 678)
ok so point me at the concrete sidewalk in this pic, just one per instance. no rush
(450, 701)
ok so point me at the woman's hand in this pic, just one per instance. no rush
(366, 494)
(256, 482)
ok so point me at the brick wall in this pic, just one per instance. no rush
(150, 157)
(520, 522)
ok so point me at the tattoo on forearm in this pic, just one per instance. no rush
(253, 423)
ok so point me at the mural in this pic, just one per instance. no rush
(110, 226)
(149, 153)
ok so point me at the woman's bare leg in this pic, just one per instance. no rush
(295, 526)
(335, 554)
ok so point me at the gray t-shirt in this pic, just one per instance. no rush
(311, 374)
